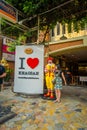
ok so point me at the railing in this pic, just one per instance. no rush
(79, 80)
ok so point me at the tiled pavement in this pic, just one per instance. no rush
(36, 113)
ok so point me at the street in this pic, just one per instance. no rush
(33, 112)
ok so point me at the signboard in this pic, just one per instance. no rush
(10, 56)
(8, 12)
(29, 65)
(83, 78)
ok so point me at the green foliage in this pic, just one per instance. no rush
(80, 24)
(8, 74)
(12, 45)
(9, 29)
(65, 11)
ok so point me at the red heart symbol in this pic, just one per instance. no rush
(32, 62)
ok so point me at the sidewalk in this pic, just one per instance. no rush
(79, 91)
(35, 113)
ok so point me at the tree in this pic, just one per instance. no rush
(52, 11)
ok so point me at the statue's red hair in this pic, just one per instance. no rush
(49, 58)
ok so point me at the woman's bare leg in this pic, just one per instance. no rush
(59, 95)
(56, 92)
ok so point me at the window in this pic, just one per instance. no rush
(83, 26)
(63, 29)
(70, 28)
(58, 29)
(75, 26)
(53, 32)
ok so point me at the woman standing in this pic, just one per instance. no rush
(59, 77)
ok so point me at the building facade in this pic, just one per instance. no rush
(69, 47)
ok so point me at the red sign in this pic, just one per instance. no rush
(10, 56)
(5, 50)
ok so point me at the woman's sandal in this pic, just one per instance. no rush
(57, 101)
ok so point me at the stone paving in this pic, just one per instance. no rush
(35, 113)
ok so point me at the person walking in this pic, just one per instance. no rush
(2, 75)
(68, 76)
(58, 81)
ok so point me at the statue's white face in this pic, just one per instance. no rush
(50, 62)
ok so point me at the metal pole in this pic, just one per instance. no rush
(38, 29)
(0, 24)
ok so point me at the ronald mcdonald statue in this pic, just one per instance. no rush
(49, 76)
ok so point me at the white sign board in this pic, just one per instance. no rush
(83, 78)
(29, 69)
